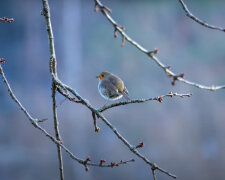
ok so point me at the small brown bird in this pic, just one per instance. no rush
(111, 87)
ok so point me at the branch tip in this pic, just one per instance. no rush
(113, 164)
(86, 168)
(140, 145)
(97, 129)
(115, 33)
(170, 94)
(2, 60)
(123, 41)
(96, 7)
(8, 20)
(101, 162)
(160, 99)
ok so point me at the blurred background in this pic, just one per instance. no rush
(184, 136)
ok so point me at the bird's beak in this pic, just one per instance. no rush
(97, 76)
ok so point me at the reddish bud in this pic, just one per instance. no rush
(115, 34)
(88, 158)
(155, 51)
(182, 75)
(86, 168)
(5, 19)
(123, 42)
(160, 99)
(2, 60)
(97, 129)
(86, 161)
(132, 160)
(101, 162)
(96, 8)
(123, 28)
(112, 164)
(140, 145)
(60, 142)
(170, 94)
(173, 83)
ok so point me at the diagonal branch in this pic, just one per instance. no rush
(175, 77)
(199, 21)
(35, 122)
(132, 148)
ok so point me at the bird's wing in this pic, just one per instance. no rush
(112, 89)
(121, 88)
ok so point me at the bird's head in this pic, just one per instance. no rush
(103, 75)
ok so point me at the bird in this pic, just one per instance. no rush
(111, 87)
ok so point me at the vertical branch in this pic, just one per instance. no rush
(53, 71)
(57, 134)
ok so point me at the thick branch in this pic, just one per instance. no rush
(151, 54)
(199, 21)
(46, 13)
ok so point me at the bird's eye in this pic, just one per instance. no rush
(102, 75)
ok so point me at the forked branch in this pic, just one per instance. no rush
(35, 122)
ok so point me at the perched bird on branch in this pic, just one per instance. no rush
(111, 87)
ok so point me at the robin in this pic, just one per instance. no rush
(111, 87)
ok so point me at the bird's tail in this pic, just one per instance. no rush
(126, 94)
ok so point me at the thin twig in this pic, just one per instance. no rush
(151, 54)
(199, 21)
(67, 96)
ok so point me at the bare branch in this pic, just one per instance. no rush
(101, 116)
(57, 133)
(5, 19)
(34, 122)
(46, 14)
(160, 98)
(151, 54)
(199, 21)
